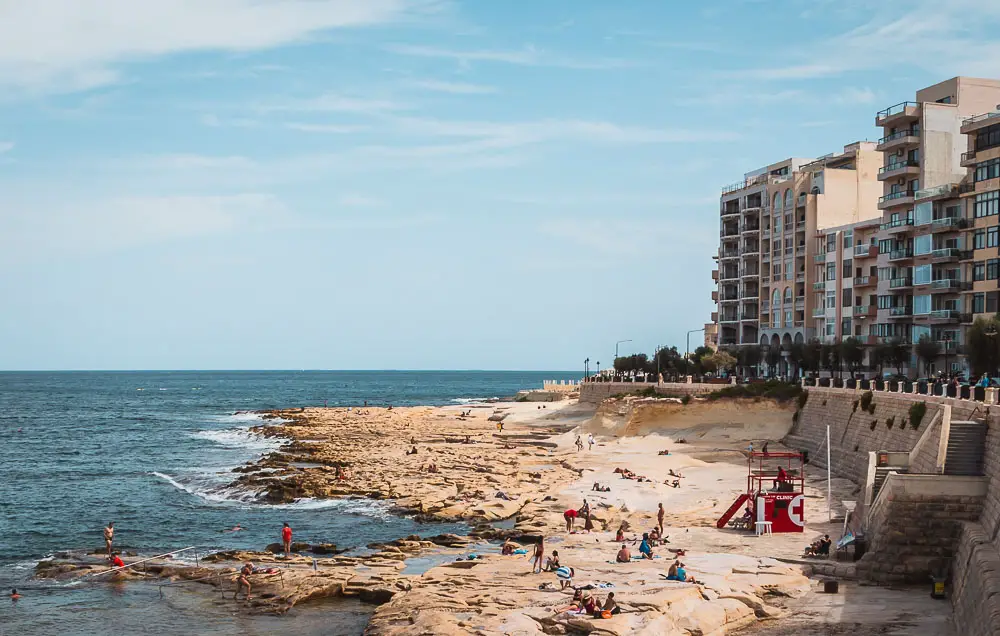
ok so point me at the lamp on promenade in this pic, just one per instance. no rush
(586, 368)
(616, 347)
(687, 351)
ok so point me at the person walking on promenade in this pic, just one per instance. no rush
(286, 539)
(109, 536)
(537, 556)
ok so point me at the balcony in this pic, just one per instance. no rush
(946, 315)
(730, 213)
(765, 306)
(819, 285)
(730, 230)
(819, 258)
(900, 254)
(819, 312)
(897, 113)
(715, 296)
(750, 297)
(749, 228)
(800, 250)
(749, 317)
(968, 159)
(900, 312)
(715, 275)
(972, 124)
(750, 273)
(800, 277)
(728, 254)
(898, 225)
(867, 250)
(946, 285)
(897, 139)
(865, 281)
(900, 283)
(752, 209)
(731, 274)
(946, 254)
(751, 250)
(898, 169)
(765, 257)
(948, 223)
(903, 197)
(865, 311)
(729, 318)
(715, 316)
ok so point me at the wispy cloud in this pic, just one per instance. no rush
(330, 129)
(6, 146)
(66, 45)
(330, 103)
(854, 95)
(457, 88)
(527, 56)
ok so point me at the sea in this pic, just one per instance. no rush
(154, 452)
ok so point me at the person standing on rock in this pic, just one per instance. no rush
(579, 444)
(590, 441)
(538, 555)
(286, 539)
(109, 536)
(659, 519)
(570, 517)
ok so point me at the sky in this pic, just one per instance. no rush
(412, 184)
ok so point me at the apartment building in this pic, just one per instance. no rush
(845, 298)
(939, 233)
(766, 274)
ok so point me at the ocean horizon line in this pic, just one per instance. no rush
(562, 372)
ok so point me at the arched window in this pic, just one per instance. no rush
(777, 201)
(788, 198)
(788, 294)
(776, 300)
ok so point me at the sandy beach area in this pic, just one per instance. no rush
(517, 482)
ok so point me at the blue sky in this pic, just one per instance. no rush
(411, 184)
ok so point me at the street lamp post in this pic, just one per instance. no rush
(586, 368)
(616, 347)
(687, 352)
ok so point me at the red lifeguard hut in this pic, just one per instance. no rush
(775, 485)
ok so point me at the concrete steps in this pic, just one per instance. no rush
(966, 445)
(881, 472)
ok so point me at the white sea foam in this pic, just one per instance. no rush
(223, 495)
(477, 400)
(240, 438)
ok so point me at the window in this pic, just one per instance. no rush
(913, 185)
(776, 300)
(848, 267)
(979, 270)
(988, 170)
(987, 204)
(884, 246)
(831, 242)
(993, 269)
(831, 271)
(831, 300)
(830, 327)
(922, 275)
(922, 304)
(776, 271)
(848, 239)
(988, 137)
(847, 298)
(923, 244)
(923, 213)
(788, 294)
(978, 303)
(788, 317)
(885, 302)
(777, 201)
(845, 326)
(992, 236)
(991, 302)
(788, 270)
(788, 199)
(919, 331)
(979, 239)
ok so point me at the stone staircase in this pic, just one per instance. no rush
(966, 445)
(881, 472)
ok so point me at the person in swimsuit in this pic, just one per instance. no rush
(109, 535)
(14, 596)
(538, 555)
(659, 519)
(286, 539)
(552, 563)
(610, 605)
(244, 579)
(624, 556)
(570, 517)
(116, 561)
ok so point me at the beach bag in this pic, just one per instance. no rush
(606, 614)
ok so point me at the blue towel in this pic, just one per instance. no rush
(520, 551)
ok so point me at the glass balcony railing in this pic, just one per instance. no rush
(899, 135)
(906, 252)
(946, 252)
(897, 283)
(896, 223)
(895, 196)
(896, 109)
(900, 311)
(893, 167)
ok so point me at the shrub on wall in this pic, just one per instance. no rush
(890, 421)
(866, 400)
(873, 424)
(803, 398)
(854, 406)
(917, 412)
(686, 398)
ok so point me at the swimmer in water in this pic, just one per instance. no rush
(235, 528)
(14, 596)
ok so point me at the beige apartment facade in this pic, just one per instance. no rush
(767, 274)
(939, 224)
(923, 265)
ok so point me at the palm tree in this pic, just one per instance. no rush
(928, 351)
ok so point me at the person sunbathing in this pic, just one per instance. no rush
(552, 563)
(624, 556)
(673, 484)
(664, 452)
(575, 605)
(507, 548)
(620, 535)
(673, 474)
(412, 451)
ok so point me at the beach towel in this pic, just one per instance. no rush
(520, 551)
(564, 574)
